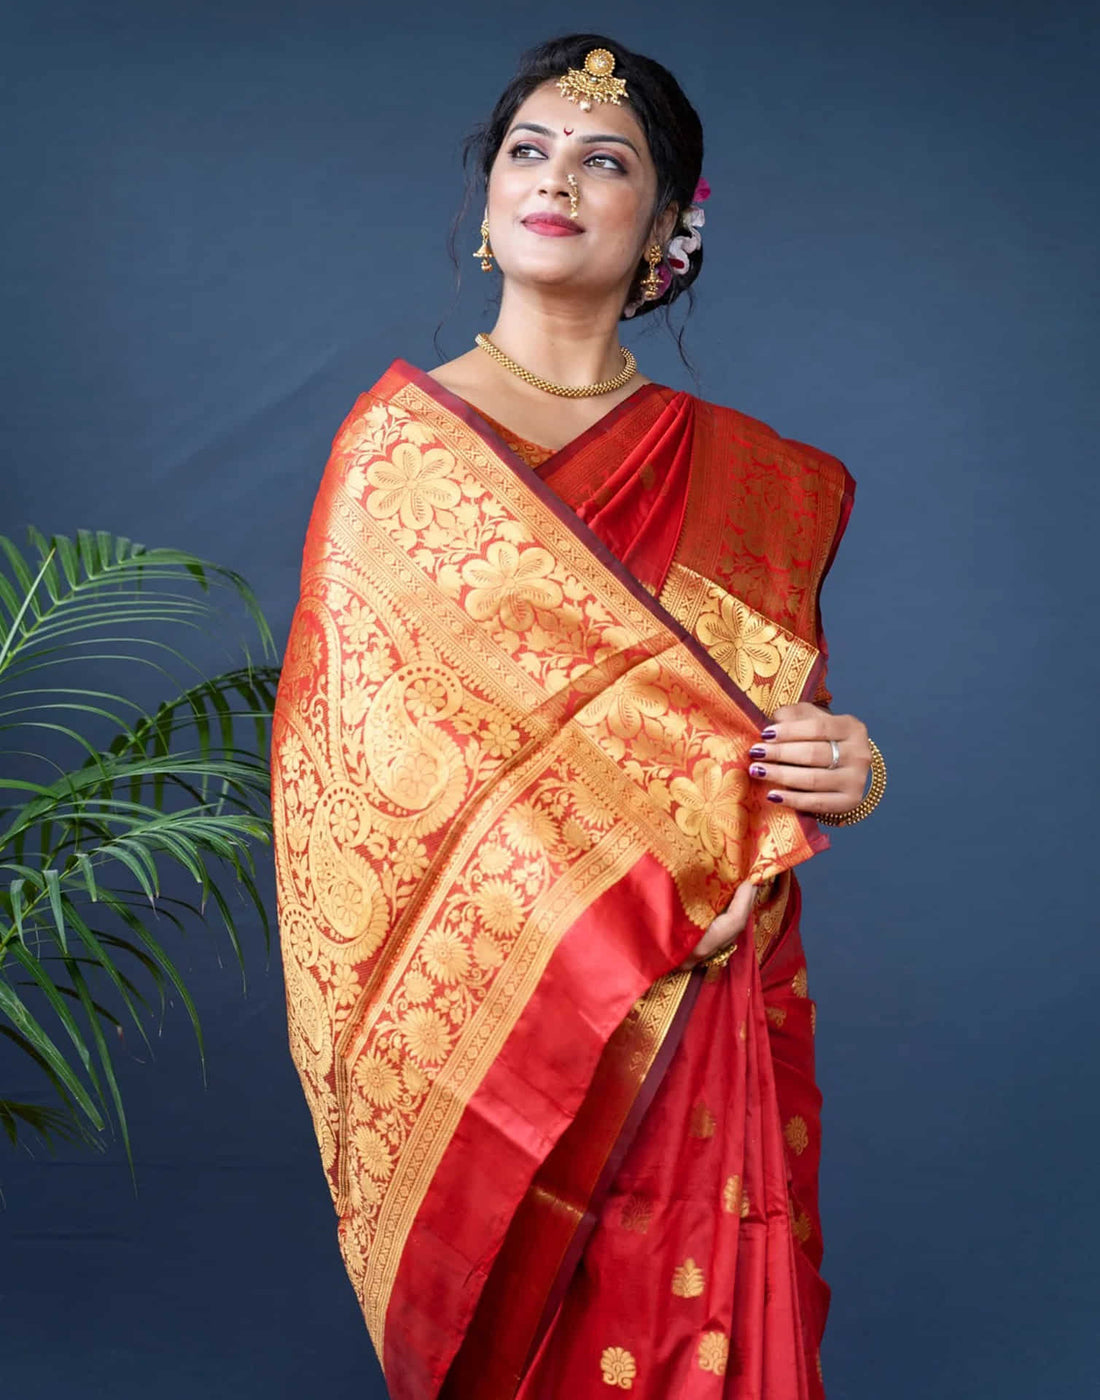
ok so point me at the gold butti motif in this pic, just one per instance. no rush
(688, 1280)
(450, 642)
(618, 1367)
(713, 1353)
(797, 1134)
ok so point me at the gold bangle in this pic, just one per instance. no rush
(722, 956)
(870, 801)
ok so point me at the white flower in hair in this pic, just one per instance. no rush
(684, 244)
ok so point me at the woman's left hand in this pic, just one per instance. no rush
(793, 755)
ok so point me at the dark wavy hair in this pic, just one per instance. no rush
(672, 129)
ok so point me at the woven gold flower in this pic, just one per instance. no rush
(618, 1367)
(713, 1352)
(740, 641)
(510, 585)
(426, 1035)
(688, 1280)
(412, 485)
(797, 1135)
(637, 1212)
(731, 1195)
(711, 804)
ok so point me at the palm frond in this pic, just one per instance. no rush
(115, 807)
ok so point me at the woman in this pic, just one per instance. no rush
(550, 738)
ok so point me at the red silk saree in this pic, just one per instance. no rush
(509, 777)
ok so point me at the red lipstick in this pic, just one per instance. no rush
(552, 225)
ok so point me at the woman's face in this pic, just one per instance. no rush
(605, 149)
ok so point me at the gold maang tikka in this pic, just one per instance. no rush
(594, 82)
(485, 253)
(574, 195)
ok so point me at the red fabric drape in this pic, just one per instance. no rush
(700, 1275)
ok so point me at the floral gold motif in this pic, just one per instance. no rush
(702, 1124)
(618, 1367)
(731, 1195)
(480, 729)
(713, 1352)
(688, 1280)
(636, 1214)
(797, 1135)
(799, 983)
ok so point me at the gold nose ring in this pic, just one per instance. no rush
(574, 195)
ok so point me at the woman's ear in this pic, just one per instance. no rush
(665, 226)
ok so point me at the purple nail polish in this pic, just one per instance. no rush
(774, 797)
(767, 733)
(758, 770)
(758, 751)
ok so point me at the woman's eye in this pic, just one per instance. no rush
(614, 164)
(524, 146)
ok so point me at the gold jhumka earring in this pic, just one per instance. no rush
(651, 283)
(485, 253)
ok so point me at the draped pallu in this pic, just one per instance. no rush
(510, 791)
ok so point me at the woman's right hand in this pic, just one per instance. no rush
(727, 926)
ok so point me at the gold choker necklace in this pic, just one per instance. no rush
(567, 391)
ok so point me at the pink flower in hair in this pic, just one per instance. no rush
(702, 191)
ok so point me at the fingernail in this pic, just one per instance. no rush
(774, 797)
(758, 770)
(767, 734)
(758, 751)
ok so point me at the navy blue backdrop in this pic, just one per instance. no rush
(222, 221)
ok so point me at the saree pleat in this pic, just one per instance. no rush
(559, 1164)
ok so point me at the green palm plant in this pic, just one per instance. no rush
(119, 822)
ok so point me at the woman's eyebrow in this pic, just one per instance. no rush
(589, 140)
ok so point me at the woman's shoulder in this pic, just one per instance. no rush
(738, 430)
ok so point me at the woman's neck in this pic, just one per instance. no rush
(568, 341)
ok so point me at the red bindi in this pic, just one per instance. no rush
(568, 130)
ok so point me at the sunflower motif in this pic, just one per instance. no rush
(412, 485)
(528, 828)
(510, 584)
(618, 1367)
(426, 1035)
(710, 804)
(374, 1153)
(797, 1135)
(740, 641)
(378, 1080)
(714, 1348)
(499, 907)
(445, 956)
(631, 699)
